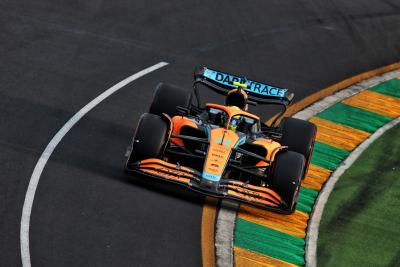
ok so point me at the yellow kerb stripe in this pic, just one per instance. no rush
(375, 102)
(316, 177)
(246, 258)
(338, 135)
(293, 224)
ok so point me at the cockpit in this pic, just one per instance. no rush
(236, 121)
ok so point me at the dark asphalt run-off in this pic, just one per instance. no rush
(56, 56)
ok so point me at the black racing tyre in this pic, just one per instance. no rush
(286, 177)
(149, 139)
(299, 136)
(167, 98)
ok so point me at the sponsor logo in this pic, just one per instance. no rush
(227, 142)
(211, 177)
(253, 87)
(217, 156)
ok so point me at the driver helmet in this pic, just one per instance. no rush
(237, 98)
(235, 120)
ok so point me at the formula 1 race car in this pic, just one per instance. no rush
(224, 150)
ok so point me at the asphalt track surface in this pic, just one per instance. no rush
(56, 56)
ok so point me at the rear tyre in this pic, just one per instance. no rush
(286, 178)
(299, 136)
(149, 139)
(167, 98)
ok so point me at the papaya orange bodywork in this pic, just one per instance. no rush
(252, 199)
(221, 143)
(178, 122)
(166, 170)
(232, 111)
(271, 146)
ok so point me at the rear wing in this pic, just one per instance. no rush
(258, 92)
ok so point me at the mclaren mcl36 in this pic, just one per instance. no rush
(224, 150)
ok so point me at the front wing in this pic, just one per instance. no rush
(226, 188)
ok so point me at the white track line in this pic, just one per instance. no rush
(33, 183)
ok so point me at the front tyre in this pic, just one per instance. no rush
(299, 136)
(286, 177)
(150, 138)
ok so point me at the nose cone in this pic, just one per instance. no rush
(221, 143)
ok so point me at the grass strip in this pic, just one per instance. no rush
(360, 224)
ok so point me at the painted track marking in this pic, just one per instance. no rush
(34, 180)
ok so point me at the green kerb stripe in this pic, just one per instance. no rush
(328, 157)
(269, 242)
(306, 200)
(354, 117)
(390, 88)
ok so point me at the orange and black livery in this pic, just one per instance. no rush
(224, 150)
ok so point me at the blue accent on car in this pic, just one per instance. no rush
(253, 86)
(226, 142)
(241, 141)
(211, 177)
